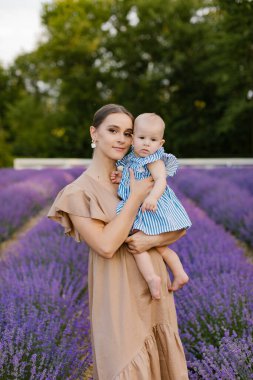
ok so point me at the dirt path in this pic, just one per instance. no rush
(22, 231)
(88, 373)
(248, 251)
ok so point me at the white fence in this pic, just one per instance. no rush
(39, 163)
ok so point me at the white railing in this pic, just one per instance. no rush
(39, 163)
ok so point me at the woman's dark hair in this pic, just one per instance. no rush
(108, 109)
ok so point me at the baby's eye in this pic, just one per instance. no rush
(153, 139)
(141, 137)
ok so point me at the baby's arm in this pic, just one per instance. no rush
(116, 175)
(158, 172)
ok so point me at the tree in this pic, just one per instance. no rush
(189, 61)
(5, 147)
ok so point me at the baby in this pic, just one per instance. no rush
(161, 211)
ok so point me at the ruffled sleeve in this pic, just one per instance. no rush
(171, 164)
(73, 200)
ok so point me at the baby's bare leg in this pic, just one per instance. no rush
(174, 263)
(145, 265)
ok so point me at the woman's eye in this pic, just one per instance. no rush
(112, 130)
(128, 134)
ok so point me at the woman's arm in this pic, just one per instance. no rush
(107, 238)
(139, 242)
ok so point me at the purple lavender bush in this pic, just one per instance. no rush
(76, 171)
(232, 360)
(224, 201)
(22, 200)
(9, 176)
(242, 177)
(44, 320)
(218, 299)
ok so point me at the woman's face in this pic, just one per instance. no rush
(113, 137)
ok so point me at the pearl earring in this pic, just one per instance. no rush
(93, 144)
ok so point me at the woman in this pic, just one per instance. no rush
(133, 337)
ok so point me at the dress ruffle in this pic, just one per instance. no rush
(160, 358)
(170, 161)
(171, 164)
(73, 200)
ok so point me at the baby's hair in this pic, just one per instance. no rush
(149, 117)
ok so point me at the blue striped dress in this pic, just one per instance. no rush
(170, 214)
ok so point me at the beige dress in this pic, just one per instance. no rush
(133, 337)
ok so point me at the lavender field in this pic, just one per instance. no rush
(44, 320)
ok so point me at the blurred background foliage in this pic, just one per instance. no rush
(191, 61)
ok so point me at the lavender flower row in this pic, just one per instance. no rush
(44, 320)
(43, 298)
(217, 303)
(9, 176)
(224, 201)
(76, 170)
(22, 200)
(232, 360)
(242, 177)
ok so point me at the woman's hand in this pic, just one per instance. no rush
(139, 242)
(140, 188)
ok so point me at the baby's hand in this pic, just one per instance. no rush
(116, 176)
(150, 204)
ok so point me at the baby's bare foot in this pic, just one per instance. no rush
(154, 284)
(180, 279)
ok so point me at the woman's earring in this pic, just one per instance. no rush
(93, 144)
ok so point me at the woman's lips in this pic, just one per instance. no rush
(119, 149)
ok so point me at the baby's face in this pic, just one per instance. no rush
(147, 138)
